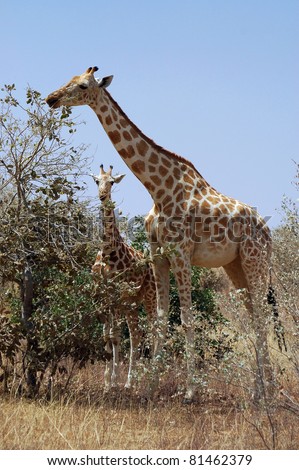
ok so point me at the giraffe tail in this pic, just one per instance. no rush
(278, 327)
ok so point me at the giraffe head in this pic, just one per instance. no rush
(105, 181)
(82, 89)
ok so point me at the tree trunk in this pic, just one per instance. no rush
(27, 308)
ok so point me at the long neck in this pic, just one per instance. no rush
(111, 235)
(163, 173)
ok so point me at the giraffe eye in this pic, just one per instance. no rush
(83, 87)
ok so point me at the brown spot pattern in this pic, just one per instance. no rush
(167, 200)
(129, 152)
(127, 135)
(149, 186)
(179, 197)
(123, 153)
(166, 162)
(177, 173)
(187, 179)
(156, 180)
(160, 193)
(178, 187)
(114, 136)
(123, 123)
(142, 147)
(134, 133)
(163, 171)
(138, 166)
(205, 207)
(153, 158)
(169, 182)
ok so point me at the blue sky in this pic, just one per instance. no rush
(215, 81)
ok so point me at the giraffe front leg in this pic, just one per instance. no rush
(161, 274)
(182, 271)
(115, 340)
(135, 336)
(109, 350)
(150, 305)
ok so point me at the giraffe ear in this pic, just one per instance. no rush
(95, 178)
(118, 178)
(105, 82)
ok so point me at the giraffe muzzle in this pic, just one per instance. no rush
(52, 102)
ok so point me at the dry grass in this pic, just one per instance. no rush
(29, 425)
(89, 419)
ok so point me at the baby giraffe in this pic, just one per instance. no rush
(118, 260)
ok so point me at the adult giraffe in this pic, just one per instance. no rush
(206, 228)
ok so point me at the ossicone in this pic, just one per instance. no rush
(92, 69)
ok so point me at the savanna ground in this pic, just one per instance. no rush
(91, 420)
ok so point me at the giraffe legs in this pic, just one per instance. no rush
(133, 324)
(108, 349)
(111, 334)
(255, 266)
(182, 271)
(149, 297)
(250, 271)
(161, 273)
(150, 306)
(181, 268)
(112, 344)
